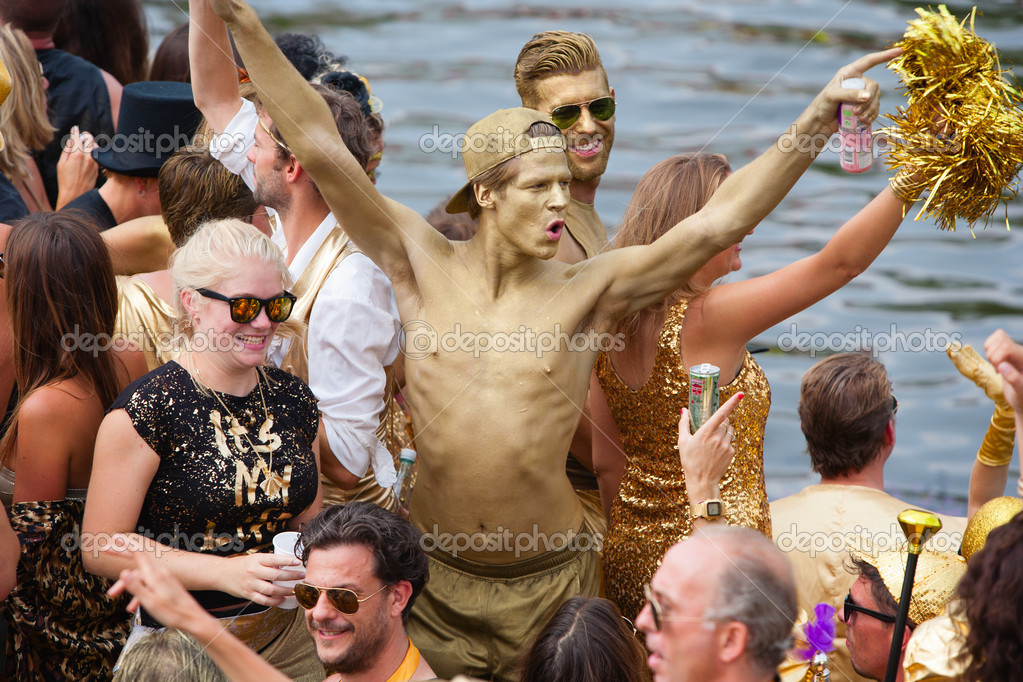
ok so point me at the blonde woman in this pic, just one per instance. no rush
(23, 120)
(203, 461)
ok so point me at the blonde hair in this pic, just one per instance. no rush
(667, 194)
(168, 655)
(218, 251)
(553, 53)
(23, 120)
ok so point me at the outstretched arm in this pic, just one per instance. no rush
(163, 596)
(211, 62)
(646, 274)
(386, 231)
(734, 313)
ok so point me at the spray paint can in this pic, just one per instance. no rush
(857, 152)
(703, 393)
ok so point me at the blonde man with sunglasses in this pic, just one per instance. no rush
(560, 74)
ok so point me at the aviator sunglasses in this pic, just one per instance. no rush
(342, 599)
(245, 309)
(566, 115)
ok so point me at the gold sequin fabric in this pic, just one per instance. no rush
(651, 512)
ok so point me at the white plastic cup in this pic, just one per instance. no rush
(284, 545)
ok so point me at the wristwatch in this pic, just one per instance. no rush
(712, 510)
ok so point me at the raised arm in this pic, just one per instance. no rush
(707, 454)
(386, 231)
(211, 62)
(164, 597)
(991, 468)
(646, 274)
(734, 313)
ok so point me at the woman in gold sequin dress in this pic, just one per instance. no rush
(203, 461)
(637, 392)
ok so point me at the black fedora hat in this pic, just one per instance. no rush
(156, 119)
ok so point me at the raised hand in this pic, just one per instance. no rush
(978, 370)
(1007, 357)
(159, 593)
(706, 454)
(868, 101)
(76, 170)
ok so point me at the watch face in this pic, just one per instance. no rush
(713, 509)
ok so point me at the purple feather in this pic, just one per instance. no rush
(820, 631)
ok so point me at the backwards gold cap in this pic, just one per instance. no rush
(493, 140)
(937, 576)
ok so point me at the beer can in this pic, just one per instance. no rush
(703, 393)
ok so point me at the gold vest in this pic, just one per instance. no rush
(394, 430)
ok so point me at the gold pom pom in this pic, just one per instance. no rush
(953, 76)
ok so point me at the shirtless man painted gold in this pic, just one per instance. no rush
(501, 341)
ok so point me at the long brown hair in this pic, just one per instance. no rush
(670, 192)
(61, 301)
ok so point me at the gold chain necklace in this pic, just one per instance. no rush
(272, 482)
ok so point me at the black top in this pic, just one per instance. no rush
(93, 205)
(76, 95)
(12, 206)
(211, 492)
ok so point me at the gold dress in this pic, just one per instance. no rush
(651, 512)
